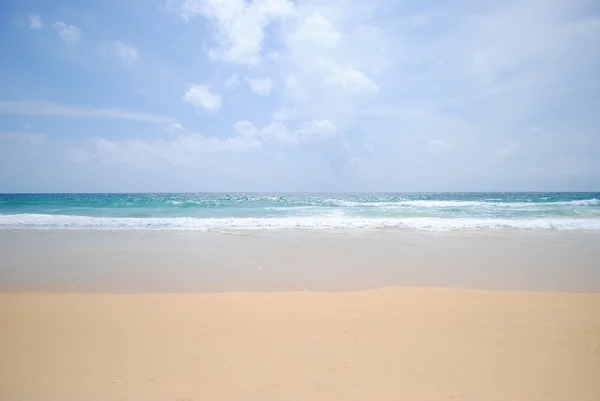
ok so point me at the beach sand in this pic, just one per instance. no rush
(274, 261)
(422, 344)
(226, 316)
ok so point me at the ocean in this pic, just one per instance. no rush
(318, 211)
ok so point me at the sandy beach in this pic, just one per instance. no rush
(386, 344)
(299, 316)
(299, 200)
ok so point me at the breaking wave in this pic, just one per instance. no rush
(62, 222)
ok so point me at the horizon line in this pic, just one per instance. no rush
(291, 192)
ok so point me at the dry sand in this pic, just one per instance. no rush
(422, 344)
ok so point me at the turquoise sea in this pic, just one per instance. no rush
(259, 211)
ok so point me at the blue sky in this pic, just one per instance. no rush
(282, 95)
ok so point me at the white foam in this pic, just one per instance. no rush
(186, 202)
(45, 222)
(457, 203)
(423, 203)
(584, 202)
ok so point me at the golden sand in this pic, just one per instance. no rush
(423, 344)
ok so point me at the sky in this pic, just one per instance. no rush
(292, 95)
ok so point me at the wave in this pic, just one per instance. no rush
(187, 203)
(456, 203)
(583, 202)
(41, 204)
(440, 204)
(62, 222)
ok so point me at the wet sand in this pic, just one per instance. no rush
(142, 262)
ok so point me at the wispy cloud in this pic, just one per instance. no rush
(35, 22)
(351, 79)
(37, 108)
(283, 114)
(260, 86)
(232, 83)
(122, 50)
(68, 33)
(311, 131)
(315, 28)
(201, 96)
(179, 150)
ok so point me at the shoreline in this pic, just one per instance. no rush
(315, 224)
(73, 291)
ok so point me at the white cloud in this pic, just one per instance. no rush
(332, 55)
(294, 89)
(239, 24)
(317, 29)
(232, 83)
(181, 150)
(174, 127)
(122, 50)
(35, 22)
(34, 108)
(283, 114)
(325, 65)
(318, 130)
(68, 33)
(351, 79)
(245, 128)
(201, 96)
(277, 131)
(260, 86)
(274, 132)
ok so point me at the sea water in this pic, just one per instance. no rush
(319, 211)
